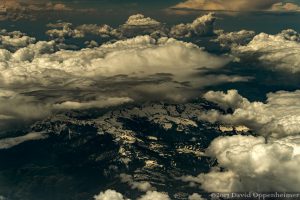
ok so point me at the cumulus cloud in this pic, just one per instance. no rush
(99, 103)
(109, 195)
(136, 25)
(276, 52)
(248, 163)
(18, 9)
(278, 117)
(15, 107)
(63, 30)
(252, 164)
(113, 195)
(11, 142)
(202, 26)
(232, 39)
(195, 196)
(138, 69)
(143, 186)
(150, 195)
(15, 40)
(236, 5)
(141, 20)
(100, 30)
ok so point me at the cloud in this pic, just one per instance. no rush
(15, 40)
(141, 20)
(278, 117)
(236, 5)
(42, 78)
(109, 195)
(150, 195)
(16, 108)
(143, 186)
(233, 39)
(285, 7)
(195, 196)
(18, 9)
(248, 163)
(202, 26)
(136, 25)
(252, 164)
(56, 7)
(113, 195)
(11, 142)
(94, 29)
(63, 30)
(231, 99)
(99, 103)
(32, 5)
(276, 52)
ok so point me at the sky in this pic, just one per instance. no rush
(257, 17)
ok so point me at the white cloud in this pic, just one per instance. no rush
(140, 56)
(231, 99)
(235, 5)
(101, 30)
(195, 196)
(249, 163)
(150, 195)
(252, 164)
(276, 52)
(18, 9)
(143, 186)
(136, 25)
(231, 39)
(285, 7)
(11, 142)
(113, 195)
(278, 117)
(141, 20)
(15, 106)
(63, 30)
(109, 195)
(137, 69)
(15, 40)
(202, 26)
(99, 103)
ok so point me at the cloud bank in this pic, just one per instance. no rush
(135, 25)
(43, 78)
(266, 163)
(237, 5)
(252, 164)
(278, 117)
(277, 52)
(18, 9)
(11, 142)
(113, 195)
